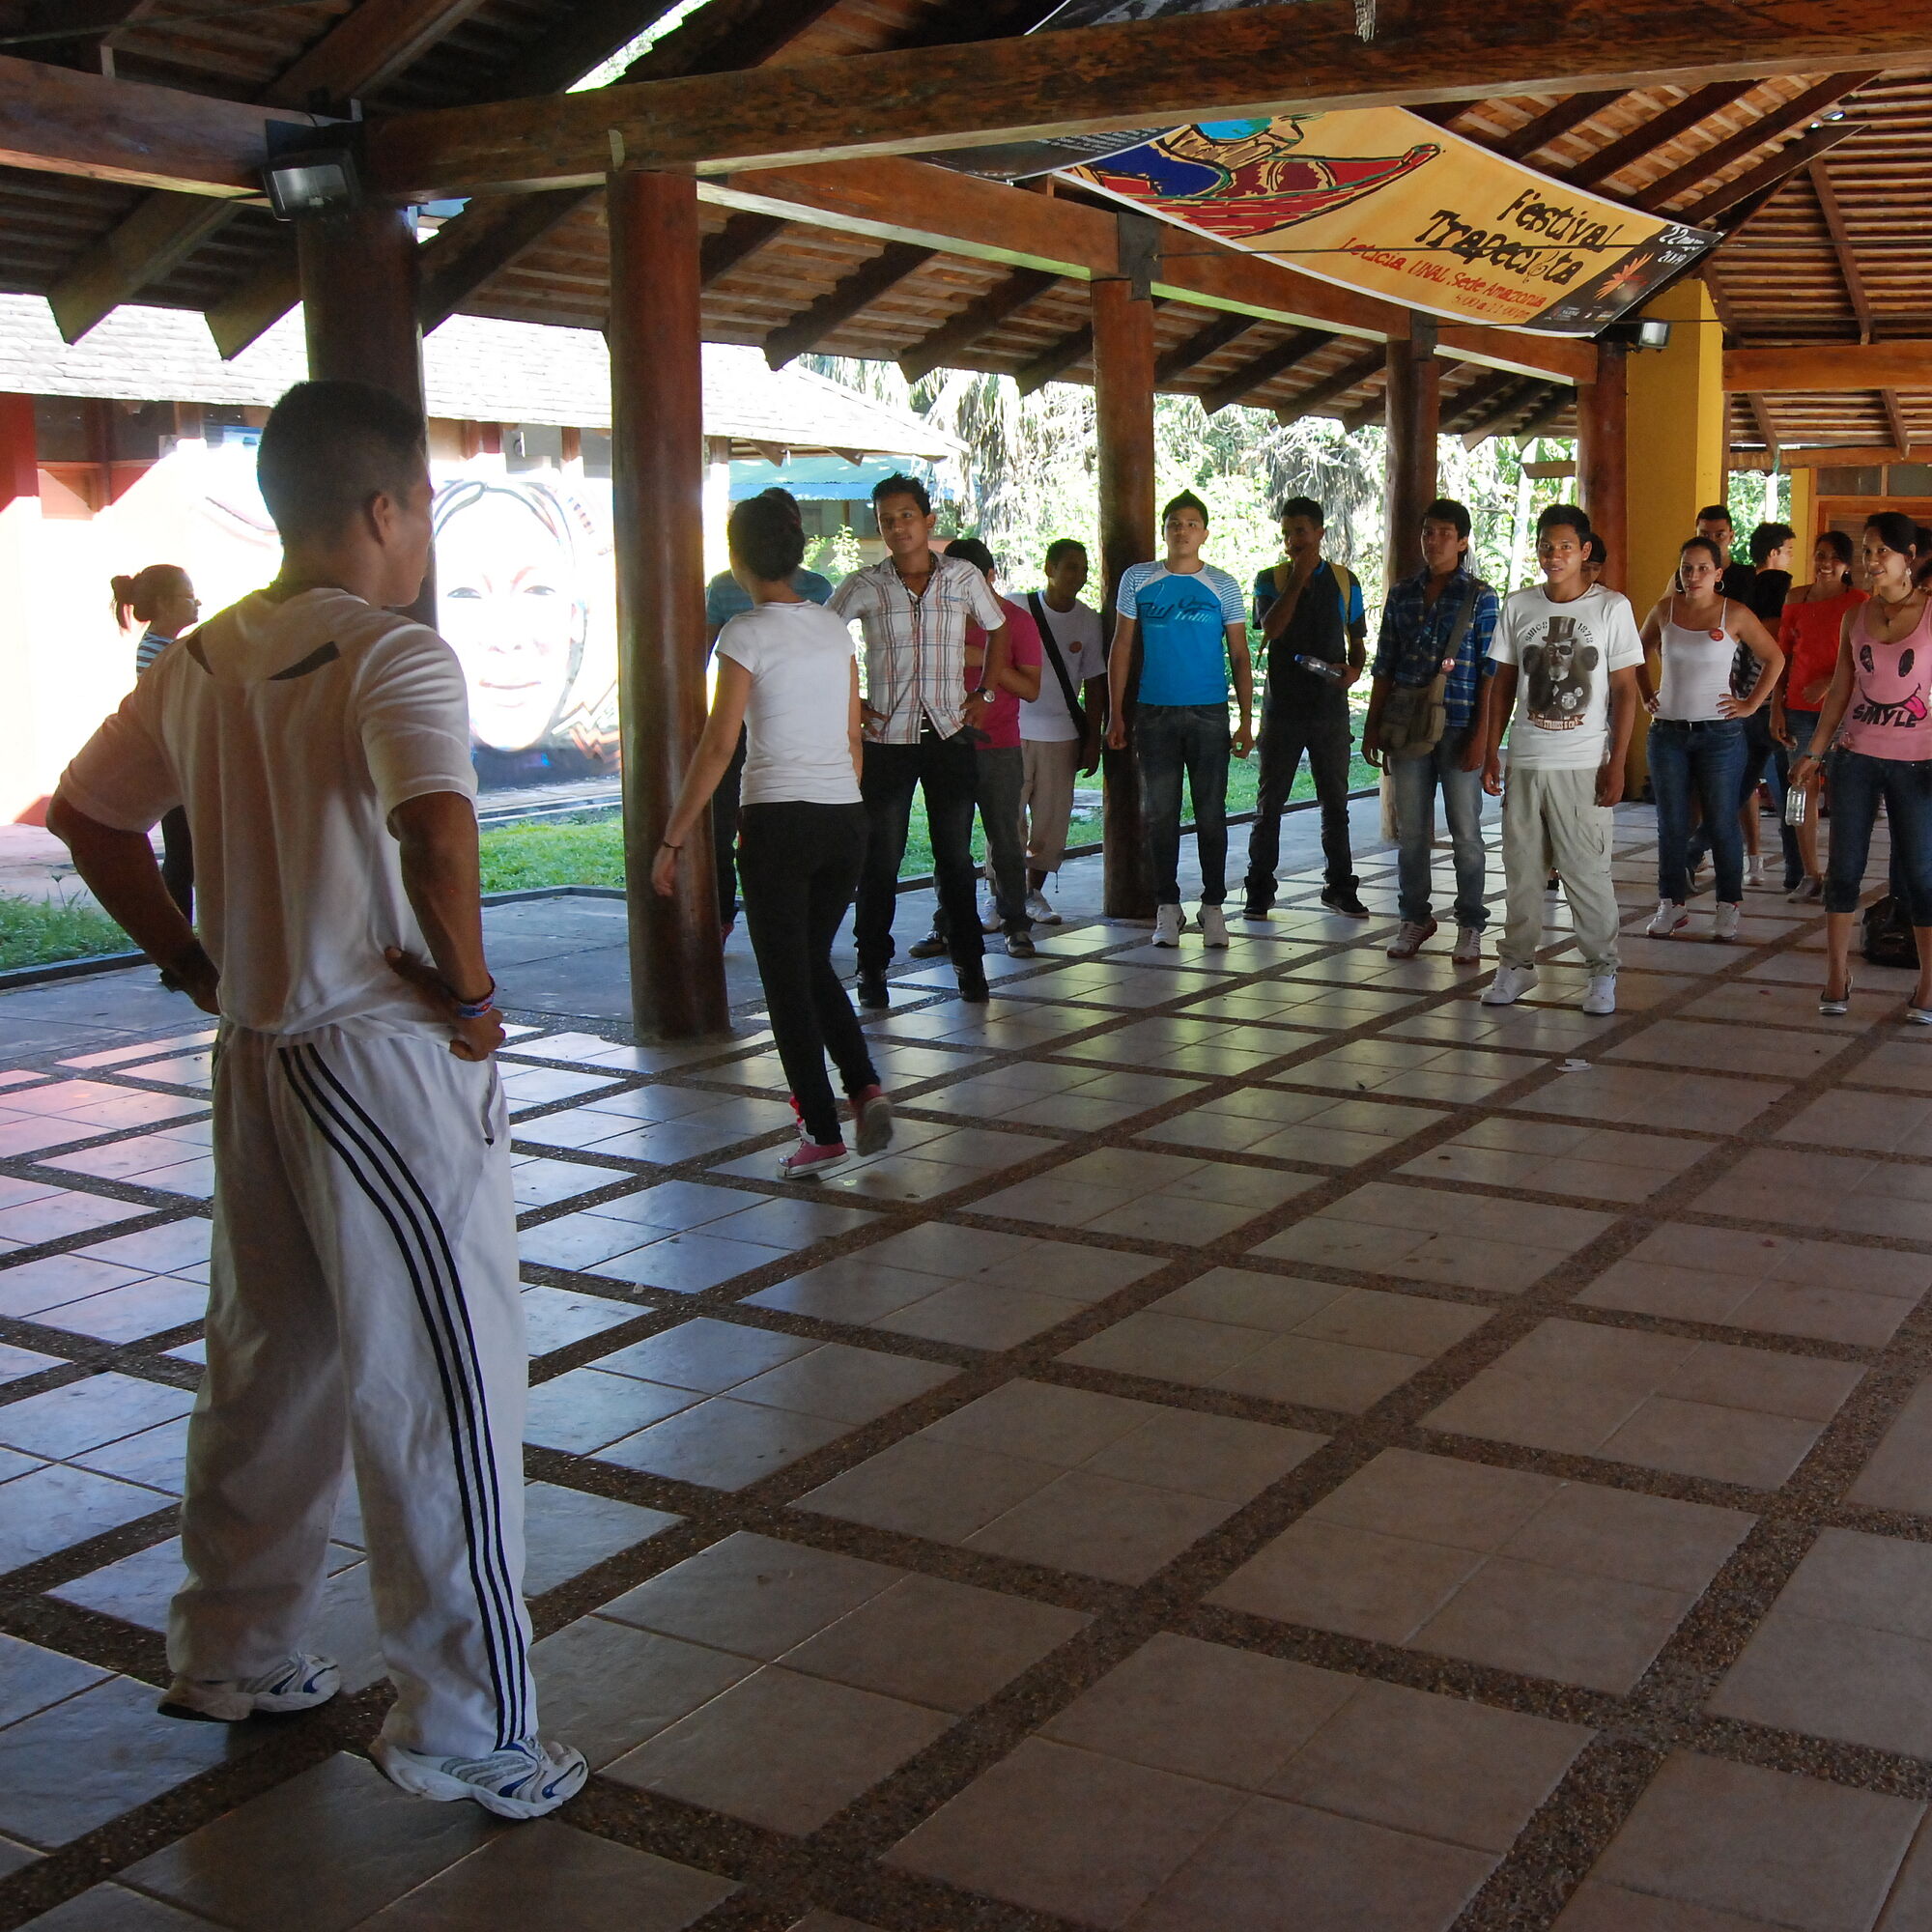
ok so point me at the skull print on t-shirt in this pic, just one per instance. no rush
(1564, 653)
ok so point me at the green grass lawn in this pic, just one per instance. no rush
(36, 932)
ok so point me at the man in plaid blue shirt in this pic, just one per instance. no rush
(1420, 623)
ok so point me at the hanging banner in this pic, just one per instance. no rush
(1378, 199)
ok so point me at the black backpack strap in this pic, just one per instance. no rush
(1037, 604)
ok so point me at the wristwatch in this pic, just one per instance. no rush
(984, 694)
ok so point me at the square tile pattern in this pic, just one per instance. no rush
(1212, 1472)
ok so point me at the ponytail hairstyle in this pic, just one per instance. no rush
(135, 597)
(1895, 531)
(1708, 545)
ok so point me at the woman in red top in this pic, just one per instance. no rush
(1809, 635)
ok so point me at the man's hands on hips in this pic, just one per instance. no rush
(475, 1039)
(192, 971)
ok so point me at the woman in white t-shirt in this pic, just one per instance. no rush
(788, 676)
(1697, 746)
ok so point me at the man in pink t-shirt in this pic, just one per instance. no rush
(1002, 764)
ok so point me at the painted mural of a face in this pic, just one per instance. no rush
(511, 604)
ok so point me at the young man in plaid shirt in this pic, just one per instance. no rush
(1421, 621)
(922, 727)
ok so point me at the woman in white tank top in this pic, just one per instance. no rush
(1696, 742)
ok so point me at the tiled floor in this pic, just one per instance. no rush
(1275, 1444)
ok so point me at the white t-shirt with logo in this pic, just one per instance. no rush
(798, 717)
(1565, 654)
(1077, 633)
(290, 732)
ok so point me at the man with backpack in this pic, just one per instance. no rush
(1425, 724)
(1309, 612)
(1059, 731)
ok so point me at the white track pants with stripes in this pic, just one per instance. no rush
(363, 1303)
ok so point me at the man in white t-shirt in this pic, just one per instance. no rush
(364, 1297)
(1059, 731)
(1566, 657)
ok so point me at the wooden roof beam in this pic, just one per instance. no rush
(1264, 368)
(1764, 180)
(1761, 415)
(1374, 410)
(1507, 404)
(1057, 357)
(1553, 123)
(1103, 78)
(975, 322)
(67, 33)
(1903, 363)
(1698, 105)
(365, 49)
(851, 297)
(1856, 292)
(1460, 409)
(1317, 395)
(1556, 401)
(1794, 113)
(1206, 341)
(1894, 416)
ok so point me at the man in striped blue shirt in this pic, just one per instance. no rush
(1424, 628)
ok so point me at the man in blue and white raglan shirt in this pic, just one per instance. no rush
(1191, 624)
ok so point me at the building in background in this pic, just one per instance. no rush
(136, 445)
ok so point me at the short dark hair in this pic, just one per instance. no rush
(970, 550)
(899, 484)
(1304, 506)
(1062, 547)
(1708, 545)
(1895, 531)
(329, 446)
(786, 502)
(1187, 501)
(1767, 537)
(1563, 513)
(766, 537)
(1596, 550)
(1446, 510)
(1715, 513)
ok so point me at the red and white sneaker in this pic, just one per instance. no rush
(872, 1114)
(811, 1158)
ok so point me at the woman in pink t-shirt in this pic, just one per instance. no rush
(1878, 709)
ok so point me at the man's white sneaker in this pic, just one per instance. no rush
(1724, 927)
(1468, 945)
(525, 1780)
(1167, 925)
(298, 1683)
(1754, 869)
(1509, 985)
(1040, 909)
(989, 914)
(1213, 926)
(1600, 996)
(1669, 919)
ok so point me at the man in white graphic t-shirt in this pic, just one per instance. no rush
(364, 1297)
(1566, 655)
(1059, 731)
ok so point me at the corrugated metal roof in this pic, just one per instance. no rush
(475, 369)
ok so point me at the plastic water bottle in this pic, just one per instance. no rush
(1797, 805)
(1322, 668)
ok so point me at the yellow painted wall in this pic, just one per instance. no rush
(1804, 517)
(1675, 450)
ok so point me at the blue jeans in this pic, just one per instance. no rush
(1858, 783)
(1708, 755)
(1414, 783)
(1764, 757)
(1169, 739)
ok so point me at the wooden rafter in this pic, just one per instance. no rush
(68, 33)
(1767, 177)
(1901, 363)
(1100, 79)
(1767, 127)
(365, 49)
(1208, 340)
(1698, 105)
(1501, 411)
(1319, 395)
(1553, 123)
(851, 297)
(1761, 416)
(1264, 368)
(977, 320)
(1894, 416)
(1856, 292)
(1460, 409)
(1055, 359)
(1555, 402)
(1371, 409)
(741, 238)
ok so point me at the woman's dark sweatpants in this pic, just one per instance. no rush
(798, 866)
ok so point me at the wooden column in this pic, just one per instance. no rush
(1601, 468)
(360, 273)
(657, 505)
(1414, 416)
(1124, 408)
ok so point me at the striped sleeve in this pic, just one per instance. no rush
(1132, 579)
(1233, 606)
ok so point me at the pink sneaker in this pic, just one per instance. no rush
(810, 1158)
(873, 1112)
